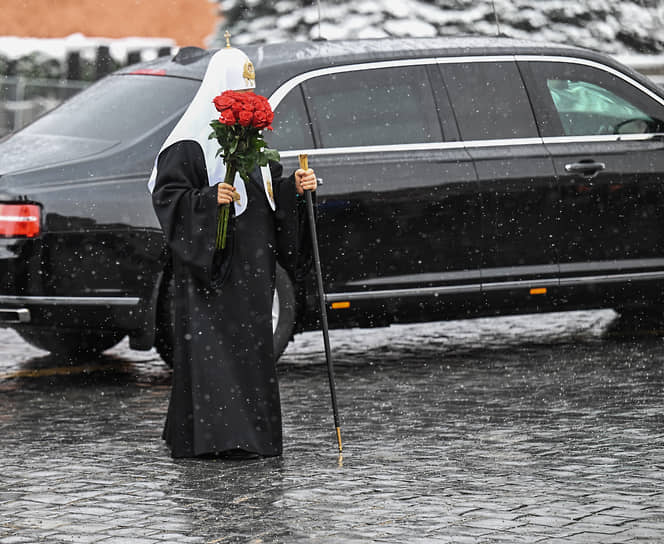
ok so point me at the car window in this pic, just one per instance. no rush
(292, 129)
(118, 108)
(489, 100)
(379, 106)
(587, 101)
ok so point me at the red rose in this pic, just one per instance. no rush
(236, 107)
(223, 102)
(227, 117)
(260, 119)
(237, 101)
(245, 117)
(257, 103)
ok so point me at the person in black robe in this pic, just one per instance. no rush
(225, 396)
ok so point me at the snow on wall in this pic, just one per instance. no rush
(612, 26)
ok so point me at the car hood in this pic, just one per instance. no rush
(23, 152)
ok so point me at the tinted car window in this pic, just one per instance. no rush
(373, 107)
(583, 101)
(489, 100)
(292, 129)
(118, 108)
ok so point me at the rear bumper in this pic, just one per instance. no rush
(119, 313)
(69, 301)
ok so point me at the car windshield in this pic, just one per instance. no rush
(117, 108)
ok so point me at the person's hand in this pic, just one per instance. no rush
(226, 193)
(305, 180)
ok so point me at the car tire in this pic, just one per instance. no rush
(283, 316)
(73, 345)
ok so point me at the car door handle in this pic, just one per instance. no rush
(587, 169)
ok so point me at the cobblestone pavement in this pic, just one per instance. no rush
(519, 429)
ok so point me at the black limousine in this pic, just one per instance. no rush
(460, 177)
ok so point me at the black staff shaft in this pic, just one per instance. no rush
(323, 314)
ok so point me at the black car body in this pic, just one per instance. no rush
(460, 177)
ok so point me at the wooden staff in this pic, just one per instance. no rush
(304, 164)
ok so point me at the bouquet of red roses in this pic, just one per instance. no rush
(242, 117)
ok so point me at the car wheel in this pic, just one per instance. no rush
(70, 344)
(283, 316)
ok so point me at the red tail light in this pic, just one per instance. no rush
(19, 220)
(149, 72)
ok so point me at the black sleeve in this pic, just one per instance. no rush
(294, 250)
(186, 207)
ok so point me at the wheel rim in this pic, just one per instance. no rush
(275, 311)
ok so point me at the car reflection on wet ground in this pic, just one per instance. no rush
(513, 429)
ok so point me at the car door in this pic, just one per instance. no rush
(398, 215)
(517, 181)
(604, 131)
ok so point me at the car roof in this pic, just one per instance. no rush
(278, 62)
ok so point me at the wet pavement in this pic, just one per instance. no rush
(515, 429)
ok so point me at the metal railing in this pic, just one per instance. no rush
(23, 99)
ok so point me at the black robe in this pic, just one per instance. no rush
(225, 395)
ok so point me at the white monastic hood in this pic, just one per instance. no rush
(228, 70)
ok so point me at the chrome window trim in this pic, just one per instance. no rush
(286, 87)
(70, 301)
(437, 146)
(641, 137)
(386, 148)
(471, 144)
